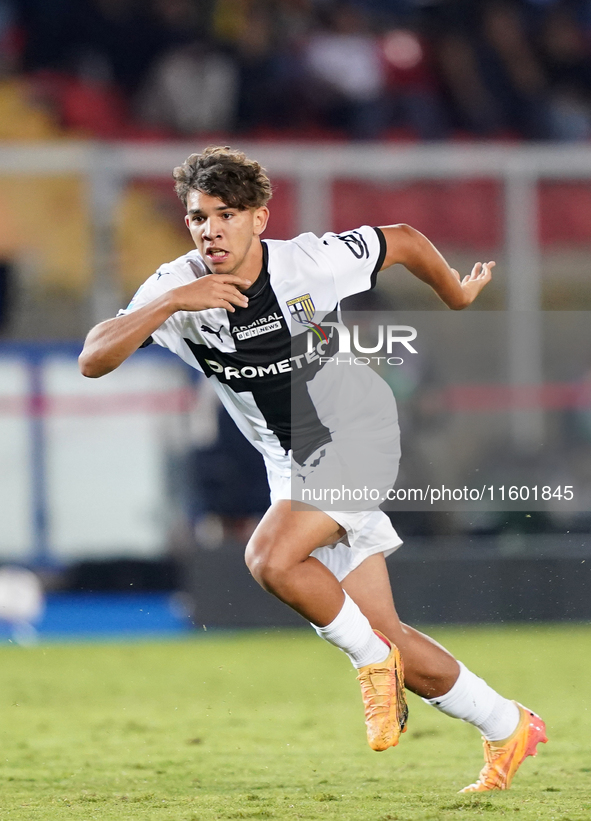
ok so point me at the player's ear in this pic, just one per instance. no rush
(187, 220)
(261, 218)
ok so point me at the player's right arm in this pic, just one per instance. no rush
(110, 343)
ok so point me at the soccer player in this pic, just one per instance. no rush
(234, 308)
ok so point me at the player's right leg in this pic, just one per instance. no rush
(278, 556)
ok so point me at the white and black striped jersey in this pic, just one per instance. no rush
(257, 356)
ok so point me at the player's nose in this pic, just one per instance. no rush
(211, 229)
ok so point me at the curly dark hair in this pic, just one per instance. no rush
(226, 174)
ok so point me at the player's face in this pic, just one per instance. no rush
(226, 238)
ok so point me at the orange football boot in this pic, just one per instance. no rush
(504, 758)
(382, 690)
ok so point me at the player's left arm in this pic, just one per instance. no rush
(412, 249)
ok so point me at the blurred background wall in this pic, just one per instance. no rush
(468, 119)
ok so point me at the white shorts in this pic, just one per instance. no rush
(367, 532)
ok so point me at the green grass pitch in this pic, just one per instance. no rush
(269, 725)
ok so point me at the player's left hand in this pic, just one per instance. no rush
(473, 283)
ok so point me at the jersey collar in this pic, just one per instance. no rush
(262, 280)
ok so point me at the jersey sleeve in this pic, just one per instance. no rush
(355, 258)
(170, 331)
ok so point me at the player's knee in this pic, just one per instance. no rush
(253, 559)
(264, 564)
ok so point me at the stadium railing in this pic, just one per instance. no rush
(86, 463)
(106, 167)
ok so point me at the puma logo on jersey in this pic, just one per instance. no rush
(217, 333)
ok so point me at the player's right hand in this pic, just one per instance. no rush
(212, 291)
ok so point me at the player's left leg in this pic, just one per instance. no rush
(429, 670)
(510, 732)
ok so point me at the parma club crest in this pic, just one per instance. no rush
(301, 308)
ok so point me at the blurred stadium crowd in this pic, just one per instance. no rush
(299, 69)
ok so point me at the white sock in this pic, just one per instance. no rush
(472, 700)
(351, 632)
